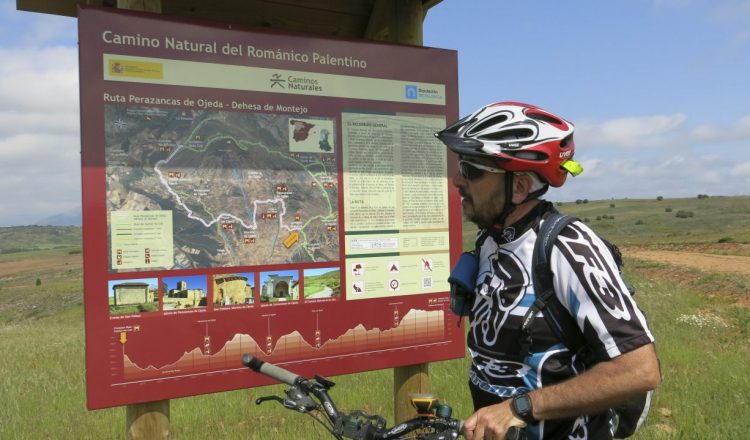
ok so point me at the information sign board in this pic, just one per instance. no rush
(260, 192)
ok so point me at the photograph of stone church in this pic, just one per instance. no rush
(185, 292)
(133, 296)
(233, 289)
(279, 286)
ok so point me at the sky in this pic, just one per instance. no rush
(658, 91)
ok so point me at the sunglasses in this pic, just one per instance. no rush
(472, 170)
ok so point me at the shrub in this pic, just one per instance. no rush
(38, 282)
(668, 210)
(585, 200)
(725, 240)
(586, 220)
(611, 205)
(598, 217)
(684, 214)
(639, 222)
(660, 198)
(702, 196)
(579, 201)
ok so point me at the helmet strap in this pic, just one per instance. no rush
(508, 205)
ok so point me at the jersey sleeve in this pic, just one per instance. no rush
(588, 283)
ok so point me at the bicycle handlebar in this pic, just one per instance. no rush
(356, 425)
(348, 425)
(274, 372)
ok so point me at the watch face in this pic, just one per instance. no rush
(522, 404)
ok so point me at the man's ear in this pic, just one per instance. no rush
(522, 184)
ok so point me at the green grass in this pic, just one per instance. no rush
(703, 341)
(642, 222)
(23, 238)
(704, 394)
(60, 288)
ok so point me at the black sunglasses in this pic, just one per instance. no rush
(472, 170)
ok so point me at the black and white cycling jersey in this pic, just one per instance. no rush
(588, 284)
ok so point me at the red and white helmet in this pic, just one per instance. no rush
(520, 137)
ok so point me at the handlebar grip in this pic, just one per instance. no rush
(515, 433)
(277, 373)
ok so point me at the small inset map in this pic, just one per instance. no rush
(311, 135)
(241, 189)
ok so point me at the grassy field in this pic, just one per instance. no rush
(24, 238)
(318, 283)
(703, 343)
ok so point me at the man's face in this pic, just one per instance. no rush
(482, 192)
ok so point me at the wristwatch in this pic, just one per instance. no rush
(522, 408)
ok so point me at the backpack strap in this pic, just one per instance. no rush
(558, 318)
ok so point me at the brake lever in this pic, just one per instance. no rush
(299, 403)
(260, 400)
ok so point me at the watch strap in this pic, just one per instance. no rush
(522, 408)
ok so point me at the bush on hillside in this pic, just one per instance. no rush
(639, 222)
(702, 196)
(611, 205)
(684, 214)
(725, 240)
(660, 198)
(668, 210)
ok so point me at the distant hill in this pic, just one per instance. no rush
(29, 238)
(714, 219)
(70, 218)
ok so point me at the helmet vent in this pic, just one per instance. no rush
(528, 155)
(509, 135)
(567, 141)
(544, 118)
(497, 119)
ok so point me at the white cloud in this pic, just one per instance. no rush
(659, 131)
(669, 176)
(41, 80)
(741, 170)
(713, 133)
(39, 133)
(630, 132)
(18, 123)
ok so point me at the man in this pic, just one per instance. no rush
(509, 154)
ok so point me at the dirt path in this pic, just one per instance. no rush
(702, 261)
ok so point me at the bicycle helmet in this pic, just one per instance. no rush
(520, 137)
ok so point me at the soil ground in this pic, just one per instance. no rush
(41, 264)
(706, 262)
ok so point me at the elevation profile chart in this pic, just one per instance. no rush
(415, 328)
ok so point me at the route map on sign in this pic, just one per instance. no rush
(243, 188)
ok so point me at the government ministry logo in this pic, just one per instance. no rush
(411, 92)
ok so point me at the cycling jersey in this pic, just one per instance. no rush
(587, 283)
